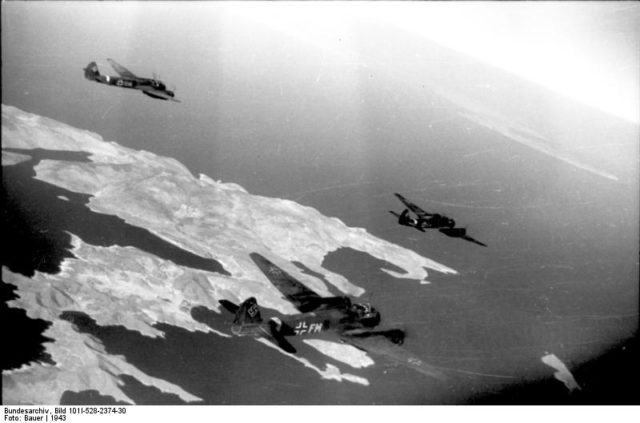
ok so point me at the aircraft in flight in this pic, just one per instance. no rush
(151, 87)
(424, 220)
(353, 322)
(317, 314)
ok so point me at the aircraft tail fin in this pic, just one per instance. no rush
(91, 72)
(248, 319)
(248, 312)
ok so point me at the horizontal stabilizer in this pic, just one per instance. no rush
(229, 306)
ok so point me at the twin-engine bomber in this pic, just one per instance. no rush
(151, 87)
(354, 323)
(425, 220)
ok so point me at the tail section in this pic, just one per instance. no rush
(91, 72)
(248, 322)
(248, 313)
(229, 306)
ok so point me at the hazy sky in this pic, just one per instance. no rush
(264, 82)
(587, 51)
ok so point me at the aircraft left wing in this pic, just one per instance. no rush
(299, 295)
(475, 241)
(417, 210)
(378, 343)
(122, 71)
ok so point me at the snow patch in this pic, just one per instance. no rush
(10, 159)
(331, 372)
(344, 353)
(562, 373)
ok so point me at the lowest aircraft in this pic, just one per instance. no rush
(151, 87)
(353, 322)
(424, 220)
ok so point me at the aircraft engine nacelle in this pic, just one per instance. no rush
(367, 315)
(372, 319)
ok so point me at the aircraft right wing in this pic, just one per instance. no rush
(417, 210)
(122, 71)
(475, 241)
(460, 233)
(299, 295)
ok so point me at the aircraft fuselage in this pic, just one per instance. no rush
(314, 322)
(310, 323)
(151, 87)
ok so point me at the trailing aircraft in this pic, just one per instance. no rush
(151, 87)
(424, 220)
(353, 322)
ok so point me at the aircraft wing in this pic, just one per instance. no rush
(379, 344)
(277, 338)
(122, 71)
(417, 210)
(475, 241)
(299, 295)
(460, 233)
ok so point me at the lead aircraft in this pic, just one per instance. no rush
(353, 322)
(151, 87)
